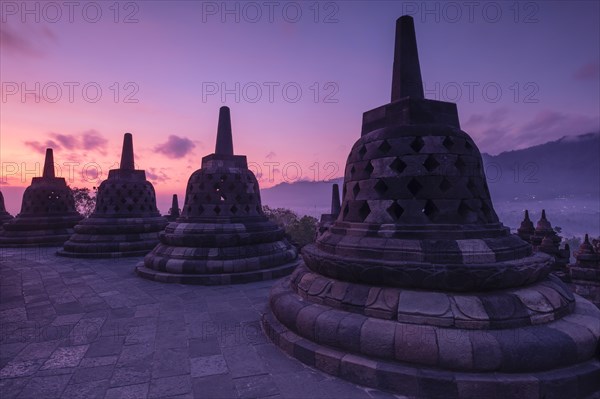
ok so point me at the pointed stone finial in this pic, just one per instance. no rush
(224, 137)
(49, 164)
(335, 200)
(175, 206)
(406, 78)
(544, 214)
(526, 215)
(127, 153)
(587, 239)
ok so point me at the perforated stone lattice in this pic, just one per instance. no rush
(47, 199)
(126, 198)
(227, 193)
(436, 178)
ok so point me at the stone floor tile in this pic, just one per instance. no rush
(128, 392)
(170, 386)
(208, 365)
(45, 387)
(68, 356)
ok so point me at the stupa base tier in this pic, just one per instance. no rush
(120, 226)
(40, 238)
(216, 279)
(109, 249)
(474, 267)
(577, 381)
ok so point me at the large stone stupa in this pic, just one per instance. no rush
(125, 221)
(47, 212)
(417, 288)
(4, 216)
(222, 235)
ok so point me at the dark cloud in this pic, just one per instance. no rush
(175, 147)
(156, 176)
(68, 141)
(589, 71)
(41, 147)
(90, 140)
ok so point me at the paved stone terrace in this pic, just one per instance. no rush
(91, 328)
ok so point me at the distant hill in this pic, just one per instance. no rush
(568, 167)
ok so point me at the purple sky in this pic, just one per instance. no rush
(542, 56)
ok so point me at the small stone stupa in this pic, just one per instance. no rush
(327, 219)
(526, 230)
(125, 221)
(222, 235)
(47, 212)
(174, 212)
(543, 238)
(417, 288)
(585, 272)
(4, 216)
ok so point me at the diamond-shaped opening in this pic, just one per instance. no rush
(417, 144)
(445, 185)
(369, 168)
(460, 165)
(430, 209)
(356, 189)
(234, 209)
(352, 170)
(463, 209)
(448, 142)
(414, 186)
(468, 145)
(380, 187)
(384, 147)
(364, 211)
(217, 209)
(362, 151)
(395, 210)
(238, 198)
(431, 163)
(398, 165)
(247, 208)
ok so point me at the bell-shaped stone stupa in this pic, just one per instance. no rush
(222, 235)
(125, 221)
(47, 212)
(417, 287)
(585, 272)
(4, 216)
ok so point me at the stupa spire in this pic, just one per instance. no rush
(49, 164)
(335, 200)
(175, 207)
(224, 144)
(406, 78)
(127, 153)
